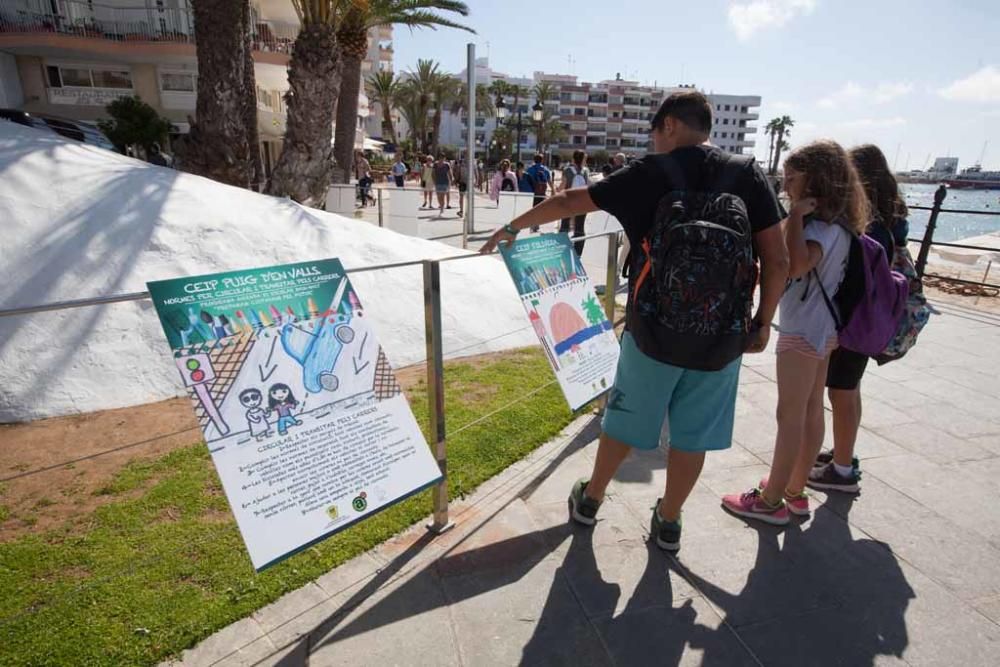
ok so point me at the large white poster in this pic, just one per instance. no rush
(567, 316)
(299, 406)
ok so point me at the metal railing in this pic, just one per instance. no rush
(433, 338)
(141, 23)
(927, 242)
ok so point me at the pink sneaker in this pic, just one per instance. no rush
(751, 505)
(797, 505)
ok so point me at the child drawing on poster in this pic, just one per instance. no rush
(256, 416)
(280, 399)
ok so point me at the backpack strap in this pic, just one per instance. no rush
(829, 303)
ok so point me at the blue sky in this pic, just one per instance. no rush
(919, 77)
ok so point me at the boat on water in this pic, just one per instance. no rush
(974, 178)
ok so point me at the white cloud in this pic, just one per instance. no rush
(746, 17)
(982, 85)
(852, 92)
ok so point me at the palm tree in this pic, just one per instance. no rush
(484, 106)
(304, 168)
(352, 45)
(384, 89)
(771, 129)
(545, 91)
(222, 144)
(446, 91)
(421, 87)
(783, 129)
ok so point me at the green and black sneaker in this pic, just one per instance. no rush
(582, 508)
(666, 533)
(826, 457)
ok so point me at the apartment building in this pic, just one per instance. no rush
(611, 115)
(70, 58)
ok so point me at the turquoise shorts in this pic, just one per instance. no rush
(699, 405)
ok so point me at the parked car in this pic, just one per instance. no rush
(71, 129)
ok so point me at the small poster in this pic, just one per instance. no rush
(306, 423)
(567, 316)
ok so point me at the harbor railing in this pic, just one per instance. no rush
(927, 242)
(433, 338)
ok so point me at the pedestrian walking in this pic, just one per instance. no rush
(675, 363)
(398, 171)
(827, 205)
(543, 181)
(441, 174)
(504, 180)
(427, 182)
(576, 175)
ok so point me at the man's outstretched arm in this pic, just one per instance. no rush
(566, 204)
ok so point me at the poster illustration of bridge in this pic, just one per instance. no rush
(298, 404)
(566, 315)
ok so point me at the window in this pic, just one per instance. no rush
(726, 108)
(565, 112)
(717, 108)
(178, 82)
(743, 108)
(725, 121)
(88, 77)
(716, 121)
(577, 140)
(579, 112)
(724, 135)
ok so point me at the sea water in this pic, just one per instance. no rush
(953, 226)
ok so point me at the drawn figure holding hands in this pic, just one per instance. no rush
(256, 416)
(281, 399)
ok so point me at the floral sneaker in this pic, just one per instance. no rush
(797, 504)
(751, 505)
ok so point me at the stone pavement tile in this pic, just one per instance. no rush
(933, 444)
(985, 474)
(955, 421)
(643, 473)
(509, 540)
(561, 476)
(752, 375)
(756, 431)
(289, 606)
(989, 607)
(946, 391)
(878, 413)
(613, 562)
(735, 457)
(226, 642)
(406, 623)
(961, 560)
(946, 491)
(869, 444)
(977, 378)
(351, 574)
(688, 632)
(258, 653)
(990, 443)
(532, 618)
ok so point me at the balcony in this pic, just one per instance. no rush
(70, 24)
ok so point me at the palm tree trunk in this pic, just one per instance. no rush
(777, 150)
(223, 137)
(257, 175)
(436, 130)
(387, 125)
(345, 130)
(770, 152)
(305, 166)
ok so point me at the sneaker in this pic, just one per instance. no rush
(797, 504)
(666, 533)
(827, 457)
(751, 505)
(582, 508)
(828, 479)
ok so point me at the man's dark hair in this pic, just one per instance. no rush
(578, 156)
(538, 158)
(520, 165)
(690, 107)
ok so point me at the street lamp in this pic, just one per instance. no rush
(538, 115)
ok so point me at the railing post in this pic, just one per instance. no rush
(925, 244)
(435, 390)
(611, 280)
(380, 206)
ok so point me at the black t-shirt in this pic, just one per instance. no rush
(632, 193)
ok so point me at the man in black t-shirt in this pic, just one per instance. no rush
(698, 405)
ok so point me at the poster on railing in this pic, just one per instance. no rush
(566, 314)
(303, 416)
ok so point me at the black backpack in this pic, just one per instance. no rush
(692, 300)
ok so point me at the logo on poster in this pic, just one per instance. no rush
(360, 503)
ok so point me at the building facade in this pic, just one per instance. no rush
(611, 115)
(70, 58)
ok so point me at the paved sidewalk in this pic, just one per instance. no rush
(906, 573)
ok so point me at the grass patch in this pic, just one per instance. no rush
(162, 565)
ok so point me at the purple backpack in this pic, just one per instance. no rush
(871, 300)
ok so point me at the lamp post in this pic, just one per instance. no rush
(538, 115)
(501, 112)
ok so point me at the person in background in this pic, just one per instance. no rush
(525, 183)
(441, 175)
(576, 175)
(837, 470)
(157, 157)
(543, 181)
(399, 171)
(503, 181)
(427, 182)
(363, 174)
(618, 162)
(462, 181)
(820, 179)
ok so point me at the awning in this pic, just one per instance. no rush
(373, 144)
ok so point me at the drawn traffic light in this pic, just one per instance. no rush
(196, 372)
